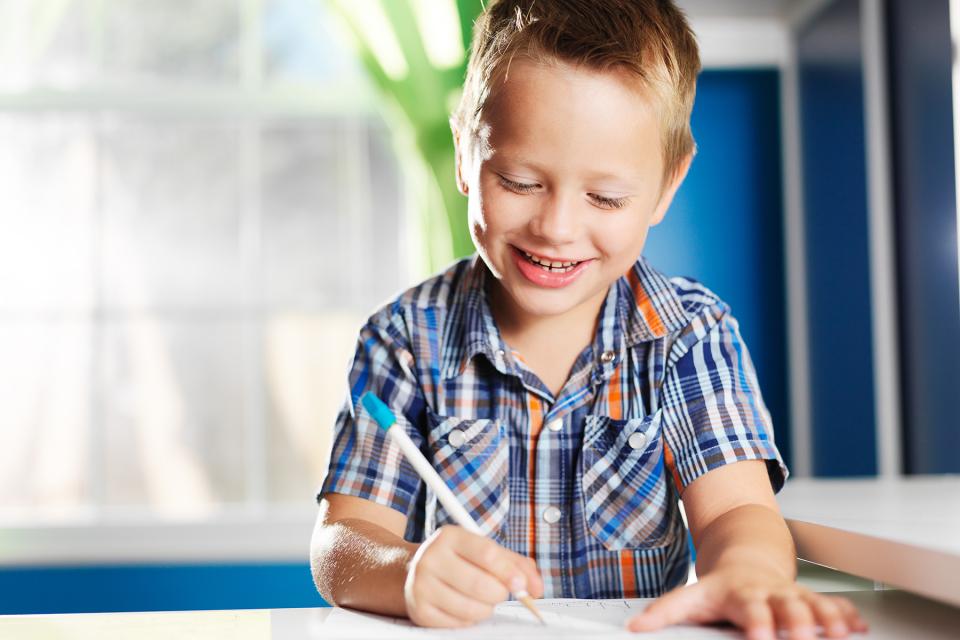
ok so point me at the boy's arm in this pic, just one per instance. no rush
(746, 564)
(359, 559)
(355, 562)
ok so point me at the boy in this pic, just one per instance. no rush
(565, 390)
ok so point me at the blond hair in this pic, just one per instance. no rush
(649, 39)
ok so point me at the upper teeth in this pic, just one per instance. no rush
(548, 263)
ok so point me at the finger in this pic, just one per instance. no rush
(793, 615)
(467, 578)
(671, 608)
(754, 616)
(451, 601)
(504, 565)
(532, 573)
(850, 614)
(828, 615)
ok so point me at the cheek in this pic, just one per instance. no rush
(490, 211)
(623, 240)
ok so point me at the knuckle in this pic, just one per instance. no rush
(491, 556)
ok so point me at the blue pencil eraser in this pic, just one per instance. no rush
(380, 412)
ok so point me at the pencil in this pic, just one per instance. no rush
(387, 421)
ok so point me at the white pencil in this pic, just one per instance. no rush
(388, 422)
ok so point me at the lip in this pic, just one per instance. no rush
(547, 279)
(550, 258)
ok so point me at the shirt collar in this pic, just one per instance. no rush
(651, 305)
(471, 311)
(641, 306)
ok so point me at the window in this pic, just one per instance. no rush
(199, 207)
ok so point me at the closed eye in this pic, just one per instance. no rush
(516, 187)
(609, 203)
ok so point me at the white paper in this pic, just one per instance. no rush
(565, 618)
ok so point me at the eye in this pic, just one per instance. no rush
(516, 187)
(609, 203)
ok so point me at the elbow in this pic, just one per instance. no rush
(323, 560)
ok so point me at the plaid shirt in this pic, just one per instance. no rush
(586, 483)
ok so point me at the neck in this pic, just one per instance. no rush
(521, 329)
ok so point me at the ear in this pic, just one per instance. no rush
(670, 189)
(458, 153)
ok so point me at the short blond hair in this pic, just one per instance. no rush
(650, 39)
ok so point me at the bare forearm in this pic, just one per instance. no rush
(359, 564)
(750, 537)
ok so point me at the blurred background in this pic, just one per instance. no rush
(200, 201)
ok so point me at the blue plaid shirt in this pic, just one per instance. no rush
(586, 483)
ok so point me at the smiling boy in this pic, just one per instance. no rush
(568, 392)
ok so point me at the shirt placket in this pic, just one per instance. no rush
(553, 475)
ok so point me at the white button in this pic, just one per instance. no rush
(501, 352)
(637, 440)
(555, 425)
(551, 515)
(456, 438)
(607, 357)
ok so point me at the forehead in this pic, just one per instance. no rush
(573, 116)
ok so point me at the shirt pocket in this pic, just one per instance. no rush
(472, 457)
(626, 499)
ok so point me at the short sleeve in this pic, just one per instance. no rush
(713, 412)
(364, 460)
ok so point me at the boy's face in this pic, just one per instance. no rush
(568, 168)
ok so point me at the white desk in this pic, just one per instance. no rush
(903, 532)
(893, 615)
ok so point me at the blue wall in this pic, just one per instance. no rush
(725, 227)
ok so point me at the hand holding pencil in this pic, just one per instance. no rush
(457, 575)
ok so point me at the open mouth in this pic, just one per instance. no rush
(551, 266)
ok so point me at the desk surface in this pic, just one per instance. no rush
(904, 532)
(892, 615)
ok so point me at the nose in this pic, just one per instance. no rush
(557, 221)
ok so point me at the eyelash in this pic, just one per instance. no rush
(523, 189)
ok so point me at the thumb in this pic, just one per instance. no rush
(669, 609)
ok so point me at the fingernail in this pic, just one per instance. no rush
(517, 583)
(837, 629)
(760, 634)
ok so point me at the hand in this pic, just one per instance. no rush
(456, 577)
(759, 604)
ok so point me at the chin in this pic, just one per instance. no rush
(540, 302)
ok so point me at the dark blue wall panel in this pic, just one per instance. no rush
(926, 231)
(835, 213)
(156, 588)
(725, 227)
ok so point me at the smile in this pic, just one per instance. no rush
(549, 265)
(547, 272)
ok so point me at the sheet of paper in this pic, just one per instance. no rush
(565, 618)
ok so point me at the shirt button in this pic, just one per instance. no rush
(501, 352)
(555, 425)
(456, 438)
(607, 357)
(551, 515)
(637, 440)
